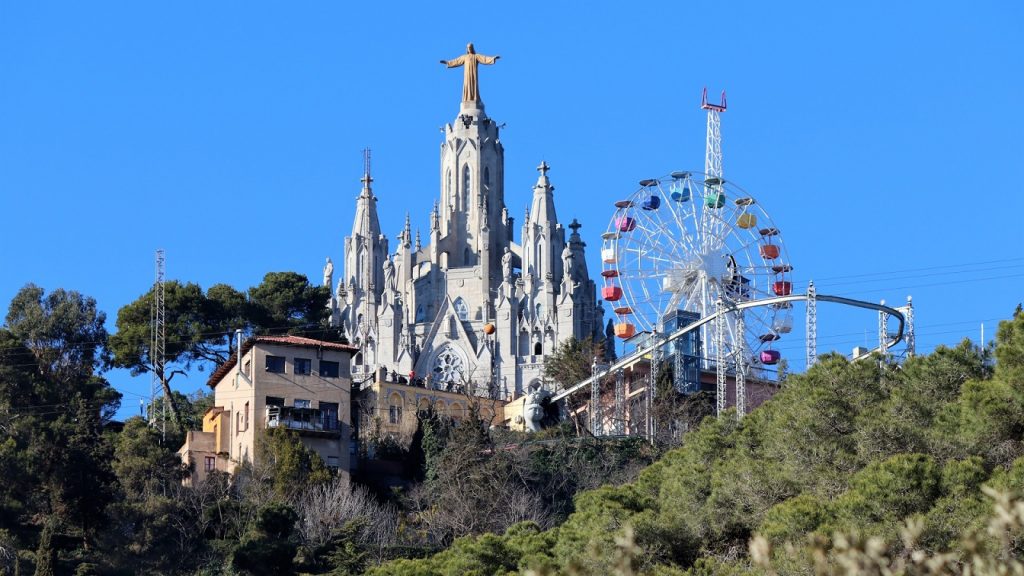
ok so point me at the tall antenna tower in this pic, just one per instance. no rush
(158, 332)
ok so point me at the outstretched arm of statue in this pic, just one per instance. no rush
(454, 63)
(486, 59)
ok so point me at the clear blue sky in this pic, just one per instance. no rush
(884, 138)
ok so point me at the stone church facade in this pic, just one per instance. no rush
(475, 309)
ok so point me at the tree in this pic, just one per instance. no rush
(269, 548)
(53, 407)
(63, 330)
(572, 361)
(285, 302)
(198, 330)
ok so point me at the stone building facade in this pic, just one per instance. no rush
(475, 308)
(291, 382)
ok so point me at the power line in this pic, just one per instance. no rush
(925, 269)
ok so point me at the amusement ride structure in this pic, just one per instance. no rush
(699, 280)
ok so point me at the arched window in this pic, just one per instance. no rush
(395, 408)
(453, 328)
(467, 257)
(456, 411)
(487, 177)
(448, 186)
(538, 349)
(467, 185)
(461, 309)
(540, 261)
(424, 406)
(539, 309)
(448, 368)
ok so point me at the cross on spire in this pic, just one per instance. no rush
(543, 168)
(575, 226)
(366, 179)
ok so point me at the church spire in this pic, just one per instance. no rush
(543, 212)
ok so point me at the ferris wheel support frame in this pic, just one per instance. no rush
(812, 325)
(641, 353)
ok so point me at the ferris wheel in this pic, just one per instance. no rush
(684, 246)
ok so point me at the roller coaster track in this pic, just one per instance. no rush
(641, 353)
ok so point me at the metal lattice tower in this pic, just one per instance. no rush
(812, 325)
(713, 154)
(883, 332)
(908, 333)
(595, 398)
(720, 392)
(158, 333)
(713, 180)
(739, 361)
(652, 387)
(619, 426)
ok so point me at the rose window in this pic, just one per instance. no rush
(448, 367)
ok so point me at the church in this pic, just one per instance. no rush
(473, 308)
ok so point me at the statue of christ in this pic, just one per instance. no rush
(469, 61)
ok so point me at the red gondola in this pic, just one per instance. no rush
(611, 293)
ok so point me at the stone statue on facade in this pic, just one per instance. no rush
(329, 273)
(567, 261)
(469, 61)
(389, 278)
(506, 265)
(533, 410)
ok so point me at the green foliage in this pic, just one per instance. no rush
(197, 329)
(880, 453)
(53, 406)
(884, 493)
(790, 520)
(269, 548)
(1010, 349)
(293, 466)
(571, 361)
(46, 553)
(286, 302)
(63, 330)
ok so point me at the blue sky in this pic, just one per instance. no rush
(884, 138)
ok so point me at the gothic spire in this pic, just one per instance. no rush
(543, 211)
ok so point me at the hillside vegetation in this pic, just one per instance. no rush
(865, 468)
(859, 468)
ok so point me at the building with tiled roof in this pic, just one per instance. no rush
(290, 382)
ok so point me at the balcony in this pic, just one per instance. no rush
(305, 421)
